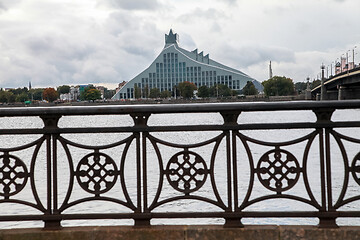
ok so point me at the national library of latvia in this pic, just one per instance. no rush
(175, 65)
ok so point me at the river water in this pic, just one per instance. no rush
(167, 152)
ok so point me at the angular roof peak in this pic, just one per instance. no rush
(171, 38)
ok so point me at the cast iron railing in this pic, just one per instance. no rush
(186, 171)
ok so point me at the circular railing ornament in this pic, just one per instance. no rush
(355, 168)
(96, 173)
(186, 171)
(13, 175)
(278, 170)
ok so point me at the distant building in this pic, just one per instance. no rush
(343, 66)
(120, 86)
(175, 65)
(102, 90)
(73, 95)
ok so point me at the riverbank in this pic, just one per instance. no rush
(162, 101)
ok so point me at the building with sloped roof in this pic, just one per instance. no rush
(175, 65)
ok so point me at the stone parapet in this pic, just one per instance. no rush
(203, 232)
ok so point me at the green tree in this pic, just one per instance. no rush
(278, 86)
(36, 93)
(315, 83)
(7, 97)
(187, 89)
(137, 91)
(234, 92)
(83, 93)
(63, 89)
(220, 90)
(22, 97)
(108, 94)
(11, 98)
(145, 92)
(154, 93)
(249, 89)
(50, 94)
(19, 91)
(300, 86)
(203, 92)
(3, 97)
(92, 94)
(165, 94)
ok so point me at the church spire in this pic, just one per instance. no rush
(171, 38)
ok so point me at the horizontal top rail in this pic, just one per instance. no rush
(178, 108)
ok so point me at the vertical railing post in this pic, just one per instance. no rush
(230, 119)
(142, 218)
(52, 218)
(327, 218)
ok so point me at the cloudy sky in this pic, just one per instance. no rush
(56, 42)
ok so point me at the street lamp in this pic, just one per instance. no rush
(354, 56)
(347, 60)
(335, 67)
(322, 93)
(341, 65)
(327, 71)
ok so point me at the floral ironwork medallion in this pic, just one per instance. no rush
(355, 168)
(96, 173)
(186, 171)
(278, 170)
(13, 175)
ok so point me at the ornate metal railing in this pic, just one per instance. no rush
(187, 172)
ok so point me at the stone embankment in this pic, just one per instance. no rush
(203, 232)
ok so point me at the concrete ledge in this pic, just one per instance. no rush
(203, 232)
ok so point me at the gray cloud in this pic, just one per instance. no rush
(133, 5)
(247, 56)
(59, 46)
(2, 7)
(53, 43)
(208, 14)
(120, 21)
(230, 1)
(7, 4)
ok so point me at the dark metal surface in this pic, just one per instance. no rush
(186, 172)
(178, 108)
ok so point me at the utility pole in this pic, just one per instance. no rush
(322, 96)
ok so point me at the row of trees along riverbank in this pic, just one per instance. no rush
(89, 93)
(276, 86)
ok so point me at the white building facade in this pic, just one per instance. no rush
(175, 65)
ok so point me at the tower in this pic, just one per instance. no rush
(270, 71)
(171, 38)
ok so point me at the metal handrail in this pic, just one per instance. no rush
(177, 108)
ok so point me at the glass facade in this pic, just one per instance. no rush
(175, 65)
